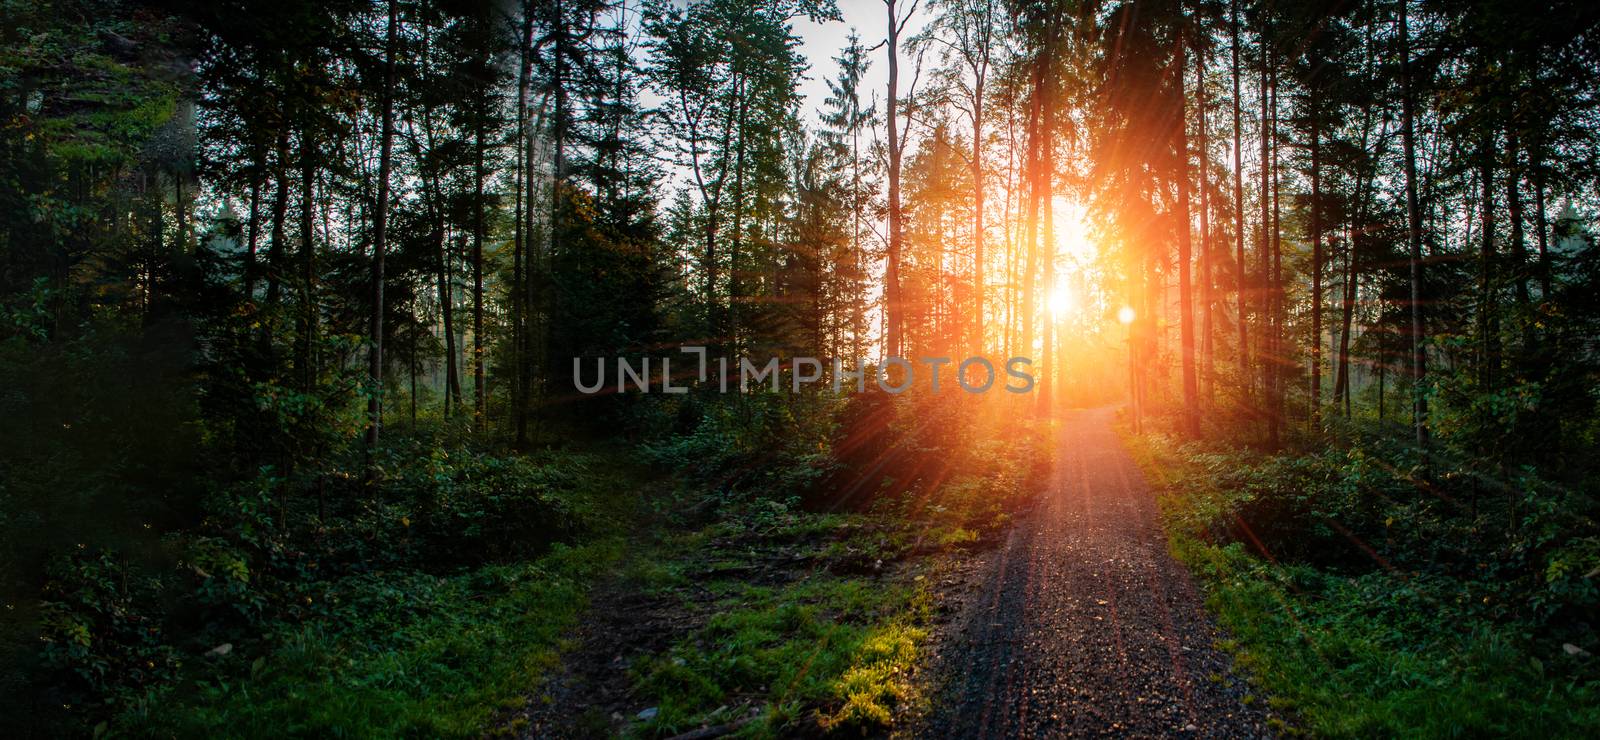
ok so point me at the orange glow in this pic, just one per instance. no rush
(1062, 300)
(1072, 236)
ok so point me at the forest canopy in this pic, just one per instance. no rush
(294, 294)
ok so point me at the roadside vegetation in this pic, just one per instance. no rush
(1370, 598)
(442, 596)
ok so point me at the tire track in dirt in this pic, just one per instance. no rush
(1082, 624)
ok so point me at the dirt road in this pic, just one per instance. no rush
(1082, 624)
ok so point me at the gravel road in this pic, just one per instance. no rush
(1082, 624)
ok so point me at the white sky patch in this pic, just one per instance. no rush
(821, 42)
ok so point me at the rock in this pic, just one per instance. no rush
(648, 714)
(1190, 728)
(1574, 650)
(223, 649)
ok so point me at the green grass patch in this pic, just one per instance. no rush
(822, 652)
(431, 657)
(1375, 654)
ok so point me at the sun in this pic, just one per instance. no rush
(1061, 299)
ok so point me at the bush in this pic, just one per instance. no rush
(755, 444)
(1391, 604)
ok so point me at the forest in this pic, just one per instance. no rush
(609, 368)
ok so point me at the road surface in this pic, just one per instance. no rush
(1082, 624)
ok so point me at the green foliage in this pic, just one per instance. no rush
(1368, 602)
(470, 507)
(398, 654)
(419, 586)
(763, 443)
(823, 652)
(95, 627)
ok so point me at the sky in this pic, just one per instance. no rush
(821, 42)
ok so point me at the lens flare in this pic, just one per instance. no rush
(1060, 300)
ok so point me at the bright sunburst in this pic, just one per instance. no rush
(1061, 300)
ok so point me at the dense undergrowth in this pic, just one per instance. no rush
(430, 591)
(807, 592)
(414, 604)
(1373, 599)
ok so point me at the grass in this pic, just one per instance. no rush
(1376, 654)
(776, 622)
(812, 651)
(815, 623)
(826, 652)
(434, 657)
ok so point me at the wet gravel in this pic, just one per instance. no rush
(1082, 624)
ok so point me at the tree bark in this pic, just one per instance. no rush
(479, 394)
(308, 264)
(893, 310)
(379, 231)
(1207, 298)
(280, 215)
(1419, 361)
(452, 375)
(520, 236)
(1488, 316)
(1277, 358)
(1240, 290)
(252, 230)
(1316, 270)
(1191, 400)
(1541, 228)
(1264, 257)
(1341, 384)
(979, 305)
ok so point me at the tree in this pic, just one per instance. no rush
(379, 226)
(966, 29)
(894, 311)
(1419, 358)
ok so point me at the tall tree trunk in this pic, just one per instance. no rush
(1240, 288)
(1515, 211)
(180, 204)
(1027, 302)
(1540, 226)
(280, 215)
(379, 230)
(1316, 270)
(1207, 297)
(1264, 255)
(736, 239)
(1191, 399)
(413, 365)
(520, 236)
(1488, 312)
(452, 375)
(539, 298)
(1277, 298)
(479, 394)
(1275, 303)
(308, 264)
(1047, 250)
(1342, 382)
(893, 309)
(1419, 360)
(252, 231)
(979, 304)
